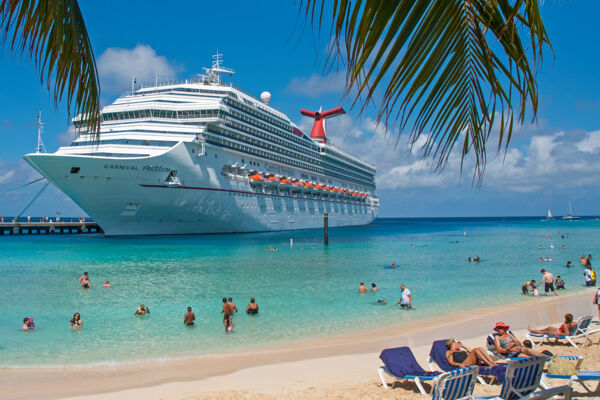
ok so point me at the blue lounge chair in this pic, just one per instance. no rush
(523, 379)
(491, 349)
(582, 330)
(437, 356)
(400, 363)
(455, 385)
(580, 378)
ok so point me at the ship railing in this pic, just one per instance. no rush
(348, 154)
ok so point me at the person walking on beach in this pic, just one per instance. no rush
(548, 281)
(362, 289)
(85, 281)
(227, 312)
(189, 317)
(406, 297)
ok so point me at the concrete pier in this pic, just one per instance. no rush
(45, 228)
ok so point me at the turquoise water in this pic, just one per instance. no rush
(303, 291)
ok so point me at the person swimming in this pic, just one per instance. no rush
(76, 321)
(106, 284)
(28, 324)
(362, 288)
(189, 317)
(252, 308)
(374, 287)
(143, 310)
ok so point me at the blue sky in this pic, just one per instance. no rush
(270, 49)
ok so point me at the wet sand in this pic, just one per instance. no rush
(344, 364)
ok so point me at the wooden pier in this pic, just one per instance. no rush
(46, 228)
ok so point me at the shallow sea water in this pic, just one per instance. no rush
(303, 291)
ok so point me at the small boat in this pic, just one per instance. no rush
(272, 181)
(285, 182)
(256, 179)
(308, 187)
(570, 217)
(297, 186)
(548, 217)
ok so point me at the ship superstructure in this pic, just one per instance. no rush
(204, 156)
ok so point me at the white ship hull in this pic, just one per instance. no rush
(130, 196)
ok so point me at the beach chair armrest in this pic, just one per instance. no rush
(566, 391)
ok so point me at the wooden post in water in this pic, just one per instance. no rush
(325, 229)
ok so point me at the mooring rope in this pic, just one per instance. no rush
(22, 186)
(34, 198)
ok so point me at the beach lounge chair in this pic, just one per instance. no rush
(491, 349)
(582, 330)
(400, 364)
(455, 385)
(580, 378)
(437, 357)
(523, 379)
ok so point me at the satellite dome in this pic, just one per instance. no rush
(265, 97)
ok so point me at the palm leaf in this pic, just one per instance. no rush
(52, 33)
(453, 70)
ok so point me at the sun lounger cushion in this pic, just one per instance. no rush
(401, 362)
(438, 354)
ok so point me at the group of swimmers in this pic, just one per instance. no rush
(405, 295)
(476, 259)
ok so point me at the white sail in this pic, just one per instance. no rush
(549, 214)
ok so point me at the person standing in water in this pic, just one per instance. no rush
(227, 312)
(189, 317)
(362, 288)
(252, 308)
(406, 297)
(85, 281)
(143, 310)
(548, 281)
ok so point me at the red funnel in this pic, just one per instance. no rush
(318, 130)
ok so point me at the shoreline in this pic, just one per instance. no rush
(177, 376)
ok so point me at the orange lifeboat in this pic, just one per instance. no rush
(318, 186)
(297, 185)
(285, 182)
(256, 179)
(272, 181)
(308, 187)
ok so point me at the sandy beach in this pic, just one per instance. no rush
(342, 366)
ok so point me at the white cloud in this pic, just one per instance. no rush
(317, 85)
(65, 138)
(538, 162)
(116, 66)
(590, 144)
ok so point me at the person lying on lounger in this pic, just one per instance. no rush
(507, 345)
(458, 355)
(565, 329)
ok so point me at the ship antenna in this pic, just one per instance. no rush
(40, 145)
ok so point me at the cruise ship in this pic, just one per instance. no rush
(204, 156)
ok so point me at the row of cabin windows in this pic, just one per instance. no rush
(251, 110)
(263, 154)
(125, 115)
(267, 145)
(259, 143)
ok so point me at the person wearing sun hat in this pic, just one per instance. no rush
(507, 345)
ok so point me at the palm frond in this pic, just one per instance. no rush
(53, 34)
(452, 70)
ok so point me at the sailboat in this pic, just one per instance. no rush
(549, 216)
(570, 217)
